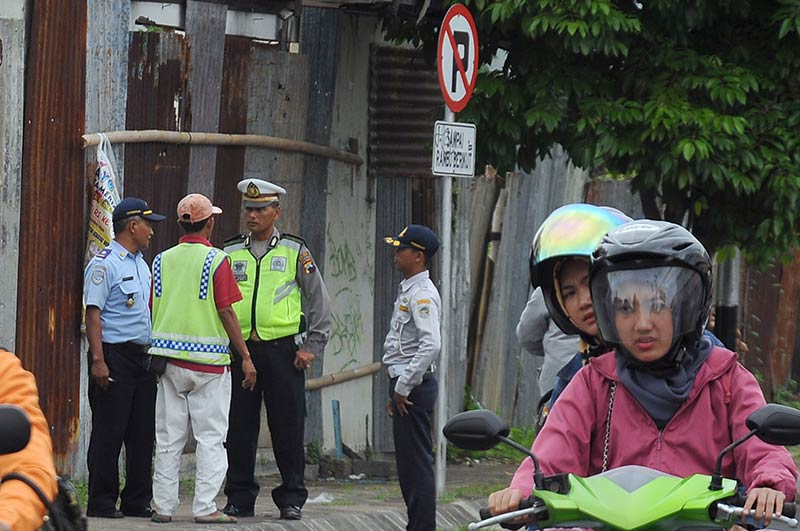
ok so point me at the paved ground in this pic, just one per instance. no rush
(348, 505)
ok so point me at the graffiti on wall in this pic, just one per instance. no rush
(349, 267)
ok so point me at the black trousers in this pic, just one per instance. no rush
(413, 452)
(123, 413)
(282, 389)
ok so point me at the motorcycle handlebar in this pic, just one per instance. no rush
(527, 503)
(789, 508)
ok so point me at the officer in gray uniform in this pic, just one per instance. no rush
(122, 395)
(285, 319)
(409, 353)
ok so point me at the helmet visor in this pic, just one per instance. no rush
(647, 309)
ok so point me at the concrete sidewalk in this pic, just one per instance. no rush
(342, 505)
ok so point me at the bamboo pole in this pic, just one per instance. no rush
(339, 377)
(221, 139)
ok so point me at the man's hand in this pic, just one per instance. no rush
(100, 373)
(303, 359)
(249, 371)
(766, 502)
(389, 410)
(402, 403)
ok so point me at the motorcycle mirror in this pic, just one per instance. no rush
(776, 424)
(476, 430)
(15, 429)
(773, 424)
(482, 430)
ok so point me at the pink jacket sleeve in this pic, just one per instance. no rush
(758, 464)
(564, 443)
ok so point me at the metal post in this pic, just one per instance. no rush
(727, 311)
(445, 254)
(337, 429)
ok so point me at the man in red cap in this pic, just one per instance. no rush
(193, 327)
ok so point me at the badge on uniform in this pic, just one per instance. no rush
(98, 275)
(308, 265)
(278, 263)
(239, 268)
(424, 311)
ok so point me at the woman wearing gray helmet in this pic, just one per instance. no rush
(665, 397)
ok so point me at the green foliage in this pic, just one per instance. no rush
(788, 394)
(697, 102)
(313, 453)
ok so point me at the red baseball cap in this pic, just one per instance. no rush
(196, 207)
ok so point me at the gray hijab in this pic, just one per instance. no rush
(662, 394)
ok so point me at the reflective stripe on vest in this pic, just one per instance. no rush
(186, 324)
(271, 297)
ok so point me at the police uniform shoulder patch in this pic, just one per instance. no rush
(103, 254)
(98, 275)
(424, 310)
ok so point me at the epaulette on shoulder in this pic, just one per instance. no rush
(294, 238)
(238, 241)
(103, 254)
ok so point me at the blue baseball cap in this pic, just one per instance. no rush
(418, 237)
(133, 206)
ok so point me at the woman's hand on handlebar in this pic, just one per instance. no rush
(765, 501)
(504, 501)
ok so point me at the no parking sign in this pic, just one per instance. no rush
(458, 57)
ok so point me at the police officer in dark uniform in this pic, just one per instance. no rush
(122, 394)
(410, 351)
(285, 318)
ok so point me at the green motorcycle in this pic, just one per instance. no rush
(630, 498)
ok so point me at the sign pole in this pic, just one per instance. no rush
(447, 306)
(453, 155)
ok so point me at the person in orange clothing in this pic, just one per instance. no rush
(20, 507)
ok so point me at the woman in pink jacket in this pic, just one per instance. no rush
(665, 398)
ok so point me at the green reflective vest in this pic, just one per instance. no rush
(271, 306)
(186, 324)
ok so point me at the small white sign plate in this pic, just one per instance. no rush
(454, 149)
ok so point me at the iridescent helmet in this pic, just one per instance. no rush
(571, 231)
(650, 266)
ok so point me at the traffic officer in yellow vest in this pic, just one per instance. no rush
(285, 317)
(193, 325)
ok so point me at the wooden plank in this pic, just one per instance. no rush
(106, 91)
(106, 74)
(205, 32)
(318, 33)
(277, 104)
(12, 94)
(51, 224)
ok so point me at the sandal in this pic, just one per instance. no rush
(217, 517)
(160, 518)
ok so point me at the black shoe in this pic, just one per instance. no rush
(113, 513)
(145, 512)
(233, 510)
(290, 513)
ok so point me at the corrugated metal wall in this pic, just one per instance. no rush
(52, 204)
(404, 103)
